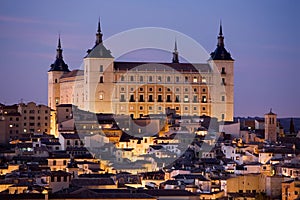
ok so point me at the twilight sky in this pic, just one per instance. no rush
(262, 36)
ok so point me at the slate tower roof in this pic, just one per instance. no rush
(99, 50)
(220, 53)
(59, 64)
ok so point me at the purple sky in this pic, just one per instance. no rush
(262, 36)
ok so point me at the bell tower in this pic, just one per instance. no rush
(271, 127)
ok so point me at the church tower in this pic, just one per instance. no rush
(221, 59)
(271, 127)
(98, 77)
(57, 69)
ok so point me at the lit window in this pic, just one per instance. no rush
(186, 98)
(195, 80)
(203, 80)
(159, 78)
(101, 96)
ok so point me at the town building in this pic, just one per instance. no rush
(23, 118)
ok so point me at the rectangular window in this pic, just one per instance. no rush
(186, 79)
(131, 78)
(122, 98)
(141, 78)
(150, 79)
(132, 98)
(177, 79)
(150, 98)
(141, 98)
(101, 79)
(177, 98)
(195, 80)
(159, 98)
(223, 98)
(223, 70)
(186, 98)
(223, 81)
(159, 79)
(195, 99)
(101, 68)
(204, 100)
(169, 98)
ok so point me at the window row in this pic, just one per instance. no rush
(167, 79)
(160, 89)
(168, 98)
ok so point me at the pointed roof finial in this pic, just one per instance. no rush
(59, 44)
(175, 53)
(99, 34)
(220, 32)
(99, 27)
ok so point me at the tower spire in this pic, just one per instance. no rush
(221, 37)
(59, 50)
(99, 34)
(59, 64)
(220, 32)
(59, 44)
(175, 53)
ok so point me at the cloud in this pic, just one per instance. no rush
(25, 20)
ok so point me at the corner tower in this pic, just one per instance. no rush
(222, 60)
(98, 77)
(57, 69)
